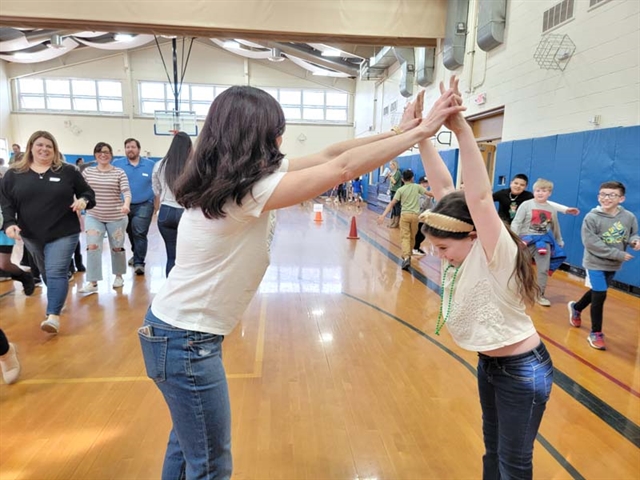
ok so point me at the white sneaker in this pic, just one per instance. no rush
(418, 253)
(88, 288)
(544, 302)
(10, 365)
(118, 282)
(51, 324)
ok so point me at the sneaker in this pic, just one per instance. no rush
(37, 281)
(596, 340)
(417, 252)
(139, 269)
(130, 262)
(574, 315)
(543, 251)
(118, 282)
(544, 302)
(51, 324)
(10, 365)
(88, 288)
(406, 263)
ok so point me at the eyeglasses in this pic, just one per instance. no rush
(612, 196)
(103, 153)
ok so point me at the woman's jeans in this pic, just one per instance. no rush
(513, 394)
(52, 259)
(168, 220)
(95, 230)
(187, 368)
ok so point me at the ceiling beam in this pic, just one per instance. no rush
(191, 31)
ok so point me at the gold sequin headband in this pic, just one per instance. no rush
(445, 222)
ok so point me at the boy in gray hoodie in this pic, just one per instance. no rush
(607, 230)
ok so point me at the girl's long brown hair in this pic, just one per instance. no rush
(25, 162)
(454, 205)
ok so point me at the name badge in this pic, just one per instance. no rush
(145, 174)
(54, 179)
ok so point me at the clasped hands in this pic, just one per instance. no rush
(447, 111)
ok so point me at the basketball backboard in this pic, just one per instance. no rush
(169, 122)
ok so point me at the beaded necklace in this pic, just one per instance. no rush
(441, 318)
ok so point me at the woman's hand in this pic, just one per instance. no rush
(412, 115)
(13, 232)
(448, 106)
(125, 209)
(455, 122)
(79, 205)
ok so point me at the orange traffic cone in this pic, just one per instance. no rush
(353, 233)
(318, 217)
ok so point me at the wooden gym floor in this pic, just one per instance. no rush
(335, 373)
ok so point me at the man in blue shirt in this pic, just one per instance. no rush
(139, 172)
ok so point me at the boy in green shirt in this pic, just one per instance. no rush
(409, 198)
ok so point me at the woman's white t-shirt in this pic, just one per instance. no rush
(486, 311)
(219, 263)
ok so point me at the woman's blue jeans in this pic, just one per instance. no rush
(52, 259)
(168, 220)
(513, 394)
(187, 368)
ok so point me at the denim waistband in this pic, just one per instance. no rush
(537, 352)
(151, 319)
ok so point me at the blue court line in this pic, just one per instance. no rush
(616, 420)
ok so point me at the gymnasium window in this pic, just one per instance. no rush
(69, 95)
(312, 106)
(299, 105)
(193, 98)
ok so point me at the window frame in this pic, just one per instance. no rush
(169, 102)
(186, 97)
(46, 97)
(301, 106)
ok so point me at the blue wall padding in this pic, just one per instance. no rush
(577, 164)
(72, 157)
(543, 150)
(566, 178)
(503, 168)
(450, 158)
(521, 157)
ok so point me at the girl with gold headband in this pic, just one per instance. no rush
(486, 279)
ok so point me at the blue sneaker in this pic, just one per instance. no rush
(574, 315)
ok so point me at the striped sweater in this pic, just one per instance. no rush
(110, 187)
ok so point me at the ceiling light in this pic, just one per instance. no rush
(123, 37)
(55, 42)
(21, 55)
(331, 52)
(276, 55)
(230, 44)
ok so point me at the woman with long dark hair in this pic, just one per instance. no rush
(165, 178)
(40, 197)
(233, 183)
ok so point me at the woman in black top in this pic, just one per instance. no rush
(40, 197)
